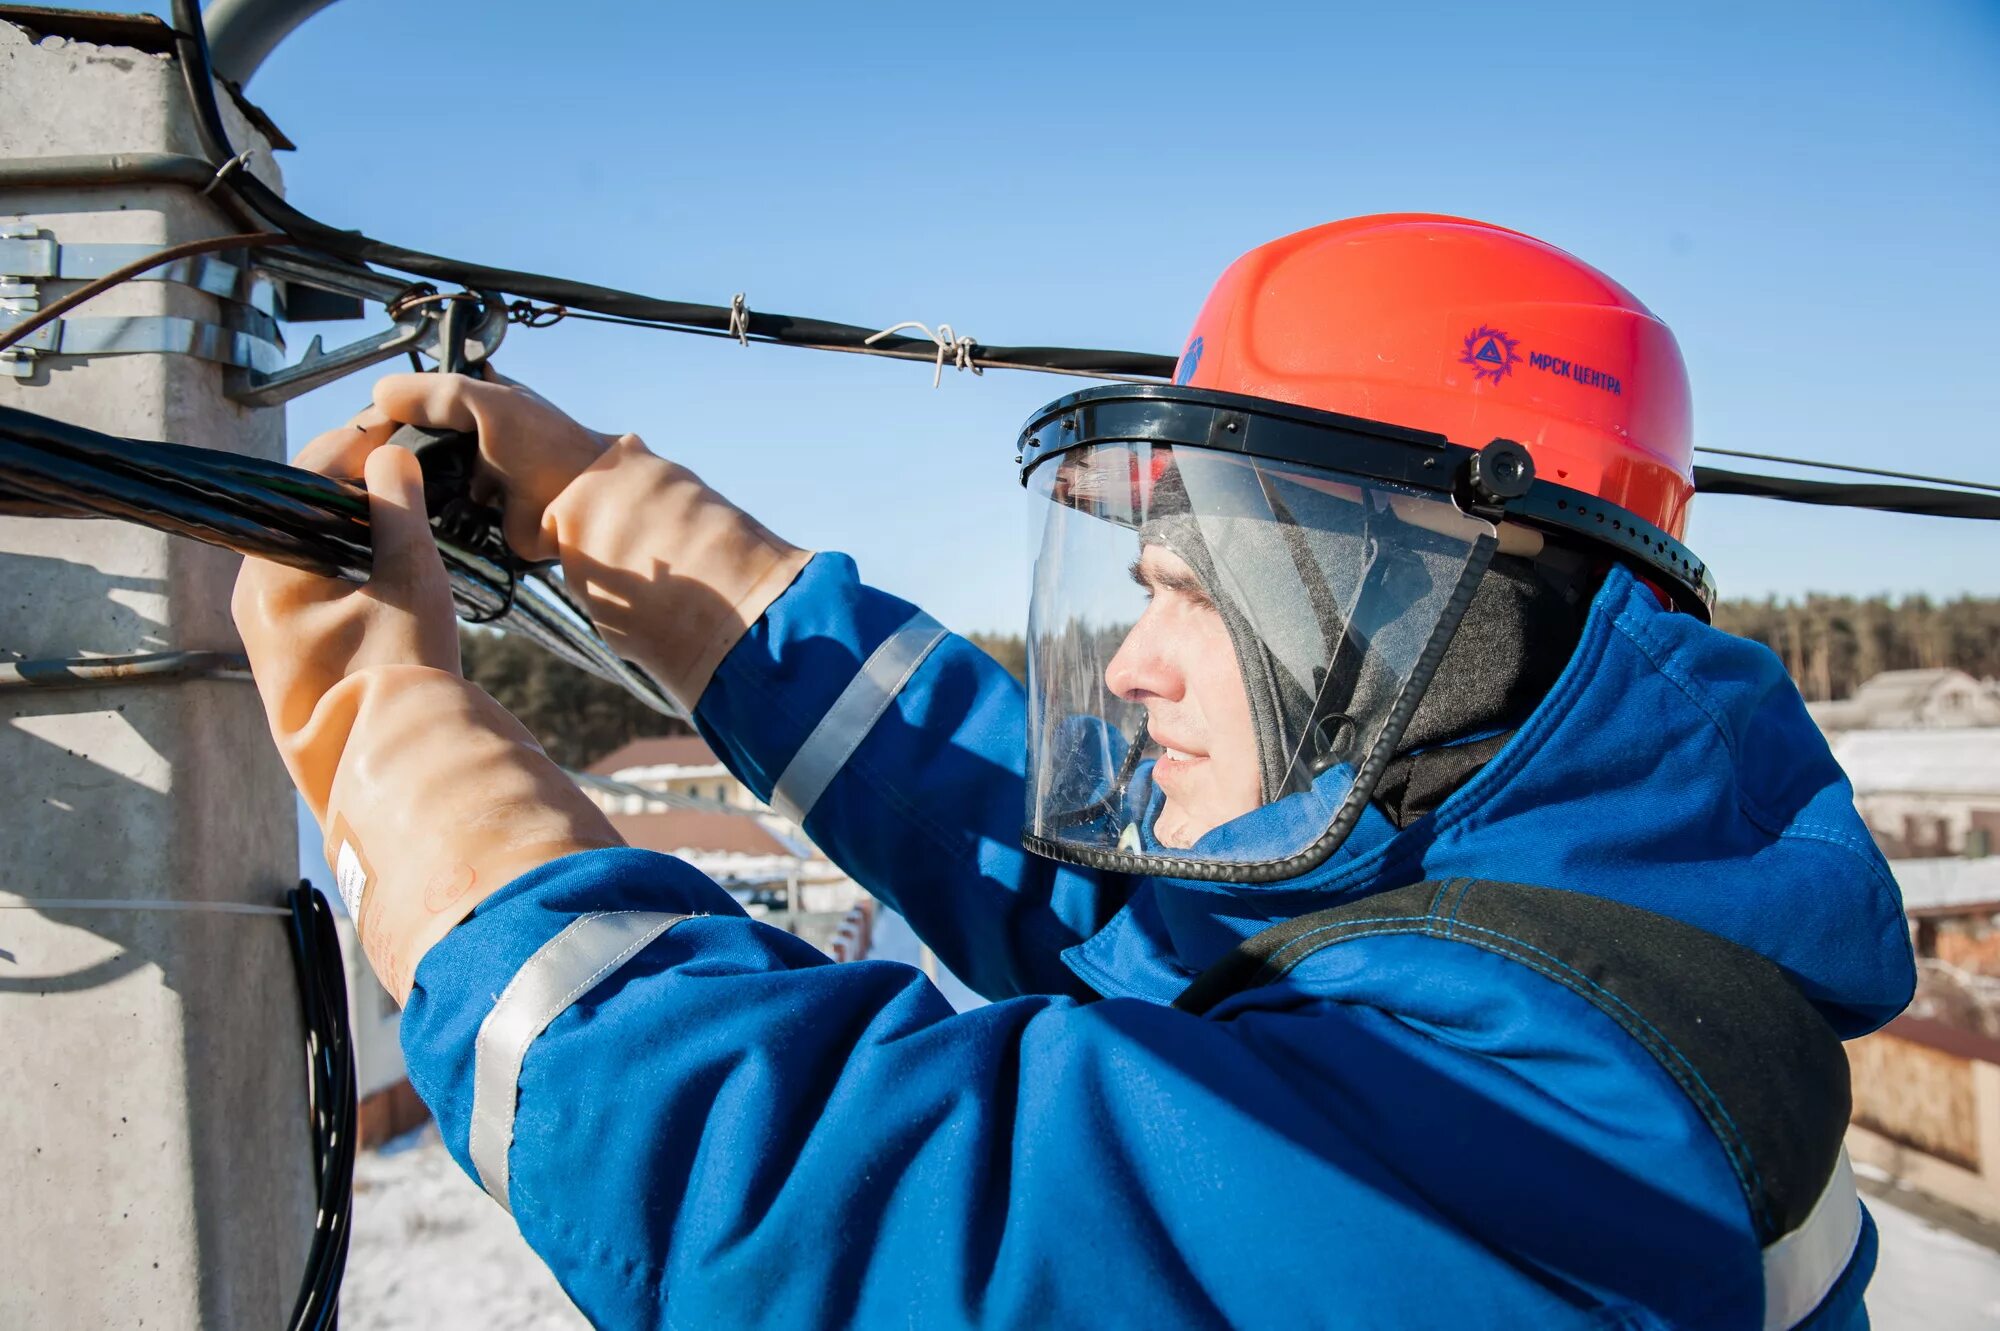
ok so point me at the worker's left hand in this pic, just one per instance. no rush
(429, 795)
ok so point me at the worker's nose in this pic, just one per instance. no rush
(1144, 668)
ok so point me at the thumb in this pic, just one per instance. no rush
(406, 554)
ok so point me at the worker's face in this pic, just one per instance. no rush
(1179, 664)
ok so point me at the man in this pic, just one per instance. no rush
(1422, 919)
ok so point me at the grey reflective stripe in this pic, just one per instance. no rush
(565, 968)
(853, 714)
(1800, 1268)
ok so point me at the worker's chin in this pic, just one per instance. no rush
(1178, 827)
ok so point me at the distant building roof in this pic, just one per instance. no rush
(1932, 762)
(1838, 714)
(1935, 886)
(661, 751)
(1905, 699)
(679, 831)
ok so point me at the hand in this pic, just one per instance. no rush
(529, 451)
(672, 573)
(304, 634)
(430, 797)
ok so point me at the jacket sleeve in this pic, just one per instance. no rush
(899, 747)
(697, 1120)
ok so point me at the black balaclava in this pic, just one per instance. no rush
(1517, 637)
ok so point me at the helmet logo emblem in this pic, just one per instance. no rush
(1189, 359)
(1490, 353)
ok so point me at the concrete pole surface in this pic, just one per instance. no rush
(152, 1125)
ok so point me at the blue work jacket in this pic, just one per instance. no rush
(698, 1120)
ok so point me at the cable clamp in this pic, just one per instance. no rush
(236, 163)
(739, 319)
(530, 315)
(948, 344)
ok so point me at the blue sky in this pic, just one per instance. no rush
(1808, 194)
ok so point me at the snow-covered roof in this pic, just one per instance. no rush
(1904, 688)
(1837, 714)
(1942, 883)
(1899, 699)
(1933, 762)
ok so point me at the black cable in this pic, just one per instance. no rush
(281, 513)
(610, 305)
(332, 1104)
(1848, 467)
(191, 43)
(1920, 500)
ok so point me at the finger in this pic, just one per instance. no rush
(272, 606)
(406, 555)
(341, 452)
(441, 401)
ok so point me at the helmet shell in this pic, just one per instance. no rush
(1468, 330)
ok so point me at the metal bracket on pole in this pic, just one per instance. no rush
(30, 253)
(415, 326)
(170, 334)
(246, 336)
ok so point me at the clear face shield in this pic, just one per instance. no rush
(1223, 648)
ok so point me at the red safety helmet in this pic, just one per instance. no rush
(1464, 329)
(1361, 413)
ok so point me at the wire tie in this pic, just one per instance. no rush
(106, 903)
(948, 344)
(236, 163)
(506, 605)
(739, 319)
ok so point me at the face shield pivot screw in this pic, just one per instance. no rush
(1499, 472)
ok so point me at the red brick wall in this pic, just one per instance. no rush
(390, 1112)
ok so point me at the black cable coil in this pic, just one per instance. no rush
(332, 1103)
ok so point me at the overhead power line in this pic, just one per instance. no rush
(1923, 501)
(1847, 467)
(569, 298)
(197, 73)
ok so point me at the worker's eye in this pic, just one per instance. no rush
(1138, 572)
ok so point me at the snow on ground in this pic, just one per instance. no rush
(1929, 1278)
(432, 1252)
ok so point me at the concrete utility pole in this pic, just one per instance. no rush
(152, 1121)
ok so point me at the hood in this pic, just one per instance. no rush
(1671, 767)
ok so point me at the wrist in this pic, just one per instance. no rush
(673, 574)
(439, 800)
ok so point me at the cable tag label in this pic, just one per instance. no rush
(351, 878)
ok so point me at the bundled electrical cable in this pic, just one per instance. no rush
(272, 511)
(332, 1102)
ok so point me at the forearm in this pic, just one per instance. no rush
(431, 797)
(912, 779)
(899, 747)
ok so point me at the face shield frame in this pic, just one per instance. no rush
(1495, 482)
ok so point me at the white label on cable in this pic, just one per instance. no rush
(350, 878)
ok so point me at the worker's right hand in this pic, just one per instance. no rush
(429, 796)
(529, 451)
(673, 574)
